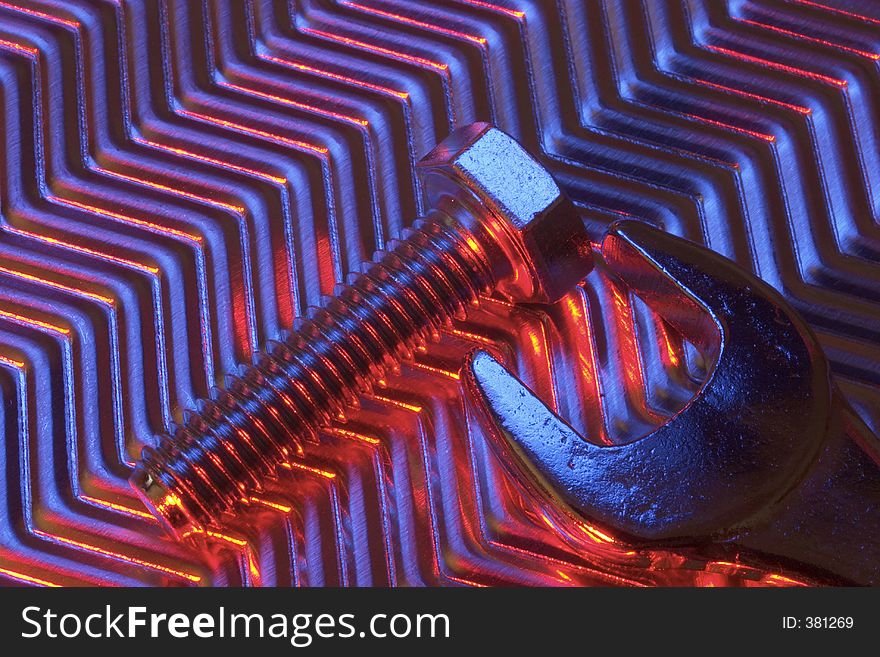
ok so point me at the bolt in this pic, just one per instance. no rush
(499, 222)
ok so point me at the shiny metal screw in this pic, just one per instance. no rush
(499, 222)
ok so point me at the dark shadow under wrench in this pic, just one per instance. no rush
(767, 457)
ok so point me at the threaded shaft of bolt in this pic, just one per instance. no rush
(235, 441)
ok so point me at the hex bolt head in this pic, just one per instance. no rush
(515, 203)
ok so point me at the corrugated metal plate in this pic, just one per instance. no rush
(180, 179)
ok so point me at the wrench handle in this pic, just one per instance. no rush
(831, 520)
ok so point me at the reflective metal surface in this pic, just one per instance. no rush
(181, 179)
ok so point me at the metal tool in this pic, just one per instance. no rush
(499, 222)
(767, 460)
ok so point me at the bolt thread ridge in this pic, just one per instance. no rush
(403, 297)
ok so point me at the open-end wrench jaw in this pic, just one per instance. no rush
(735, 449)
(767, 456)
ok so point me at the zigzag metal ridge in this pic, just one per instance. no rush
(179, 180)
